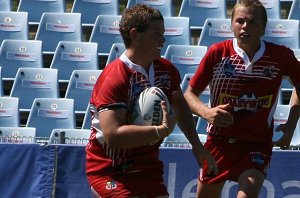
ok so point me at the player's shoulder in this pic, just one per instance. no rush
(276, 48)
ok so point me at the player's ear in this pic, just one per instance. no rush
(133, 33)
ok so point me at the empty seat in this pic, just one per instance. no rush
(177, 140)
(87, 120)
(70, 136)
(70, 56)
(280, 117)
(1, 84)
(186, 58)
(90, 9)
(17, 135)
(105, 32)
(55, 27)
(13, 25)
(80, 88)
(36, 8)
(31, 83)
(199, 11)
(204, 96)
(295, 10)
(177, 32)
(273, 8)
(9, 112)
(15, 54)
(214, 31)
(283, 32)
(297, 53)
(116, 51)
(5, 5)
(164, 6)
(47, 114)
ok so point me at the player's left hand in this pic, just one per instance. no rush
(205, 157)
(285, 141)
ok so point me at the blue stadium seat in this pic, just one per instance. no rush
(70, 56)
(9, 112)
(15, 54)
(47, 114)
(92, 8)
(204, 96)
(273, 8)
(116, 51)
(214, 31)
(186, 58)
(6, 5)
(1, 83)
(280, 117)
(31, 83)
(295, 10)
(87, 120)
(106, 32)
(80, 88)
(177, 140)
(297, 53)
(164, 6)
(36, 8)
(55, 27)
(13, 25)
(69, 136)
(199, 11)
(177, 32)
(283, 32)
(17, 135)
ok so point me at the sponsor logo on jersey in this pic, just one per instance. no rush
(246, 102)
(228, 69)
(258, 158)
(111, 185)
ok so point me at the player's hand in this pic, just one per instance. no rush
(169, 120)
(206, 159)
(220, 116)
(285, 141)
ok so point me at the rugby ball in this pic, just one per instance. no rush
(147, 109)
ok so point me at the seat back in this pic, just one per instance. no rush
(116, 51)
(13, 25)
(297, 53)
(164, 6)
(280, 117)
(106, 32)
(5, 5)
(47, 114)
(283, 32)
(186, 58)
(17, 135)
(69, 136)
(9, 112)
(199, 11)
(15, 54)
(80, 88)
(31, 83)
(87, 120)
(177, 140)
(214, 31)
(295, 10)
(36, 8)
(177, 32)
(55, 27)
(204, 96)
(70, 56)
(1, 83)
(273, 8)
(91, 9)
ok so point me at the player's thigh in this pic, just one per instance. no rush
(250, 183)
(209, 190)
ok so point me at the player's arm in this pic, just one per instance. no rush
(289, 127)
(218, 116)
(118, 134)
(186, 123)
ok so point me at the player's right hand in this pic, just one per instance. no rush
(220, 116)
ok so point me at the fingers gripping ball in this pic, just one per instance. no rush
(147, 108)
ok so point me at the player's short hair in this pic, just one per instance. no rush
(252, 4)
(139, 16)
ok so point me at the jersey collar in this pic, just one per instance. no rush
(245, 57)
(138, 68)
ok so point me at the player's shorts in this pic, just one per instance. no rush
(137, 184)
(233, 157)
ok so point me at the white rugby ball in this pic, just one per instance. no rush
(147, 109)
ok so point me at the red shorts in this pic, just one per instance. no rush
(234, 157)
(147, 184)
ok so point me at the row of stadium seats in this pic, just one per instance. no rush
(197, 11)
